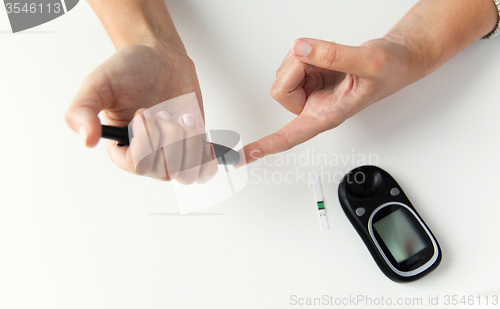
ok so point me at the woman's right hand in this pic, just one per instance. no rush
(325, 83)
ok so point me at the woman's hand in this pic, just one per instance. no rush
(151, 66)
(135, 78)
(324, 84)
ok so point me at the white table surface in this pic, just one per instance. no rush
(77, 232)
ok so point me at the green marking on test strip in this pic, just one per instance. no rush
(321, 205)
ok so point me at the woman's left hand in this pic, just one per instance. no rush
(325, 83)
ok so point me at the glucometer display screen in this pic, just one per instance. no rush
(399, 235)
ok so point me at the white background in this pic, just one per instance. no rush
(77, 232)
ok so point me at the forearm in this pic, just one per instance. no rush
(435, 30)
(136, 21)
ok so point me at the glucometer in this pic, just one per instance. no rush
(398, 239)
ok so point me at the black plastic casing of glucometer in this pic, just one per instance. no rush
(368, 198)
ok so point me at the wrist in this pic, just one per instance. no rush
(435, 31)
(137, 22)
(152, 37)
(148, 30)
(420, 59)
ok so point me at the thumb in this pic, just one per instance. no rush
(81, 116)
(335, 57)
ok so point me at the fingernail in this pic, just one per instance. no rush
(164, 115)
(147, 114)
(301, 48)
(207, 151)
(83, 133)
(242, 160)
(139, 111)
(188, 120)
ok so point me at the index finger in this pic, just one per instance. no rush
(302, 128)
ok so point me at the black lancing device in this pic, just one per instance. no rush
(224, 155)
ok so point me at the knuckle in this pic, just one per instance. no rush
(181, 58)
(328, 56)
(167, 126)
(281, 136)
(191, 142)
(95, 79)
(212, 171)
(208, 172)
(176, 132)
(275, 92)
(68, 116)
(309, 69)
(186, 180)
(378, 62)
(278, 72)
(112, 158)
(190, 64)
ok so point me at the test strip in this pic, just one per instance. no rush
(318, 193)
